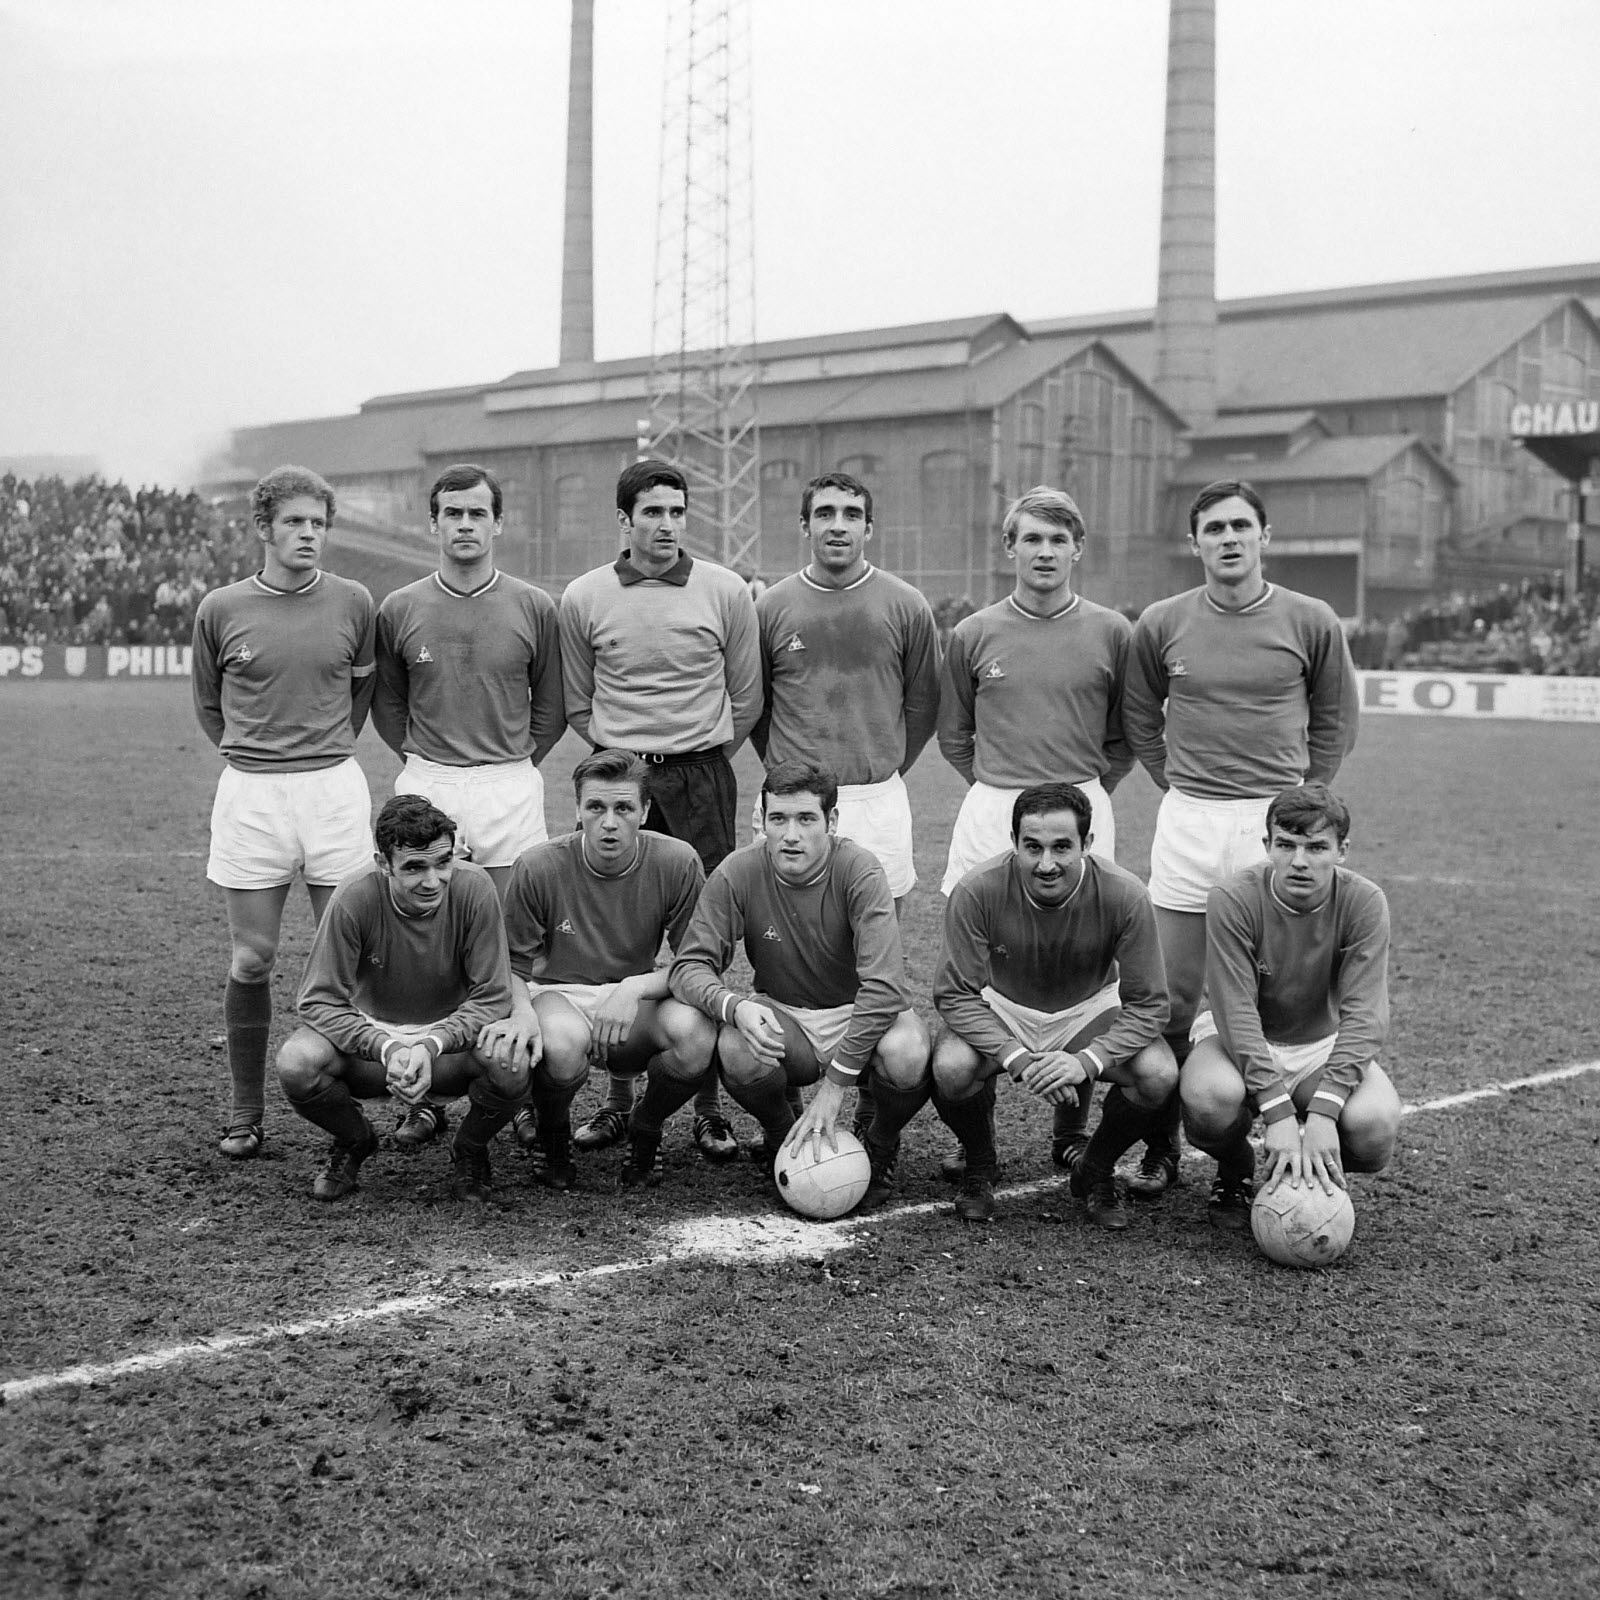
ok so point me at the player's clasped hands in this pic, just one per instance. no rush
(409, 1074)
(1053, 1075)
(1308, 1152)
(504, 1041)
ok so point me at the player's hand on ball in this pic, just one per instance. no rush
(1282, 1141)
(409, 1074)
(1053, 1075)
(761, 1030)
(819, 1122)
(1319, 1150)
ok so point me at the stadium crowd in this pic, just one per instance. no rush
(1530, 627)
(94, 562)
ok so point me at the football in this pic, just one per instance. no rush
(829, 1186)
(1304, 1226)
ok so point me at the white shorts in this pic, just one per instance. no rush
(1201, 843)
(824, 1026)
(876, 816)
(983, 828)
(1040, 1031)
(584, 998)
(498, 810)
(1296, 1062)
(268, 826)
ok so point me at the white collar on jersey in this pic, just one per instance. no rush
(1034, 616)
(467, 594)
(1238, 611)
(830, 588)
(1083, 872)
(267, 588)
(595, 872)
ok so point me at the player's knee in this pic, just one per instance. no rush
(1368, 1136)
(1154, 1075)
(903, 1052)
(252, 961)
(302, 1063)
(566, 1040)
(691, 1035)
(508, 1078)
(957, 1069)
(739, 1065)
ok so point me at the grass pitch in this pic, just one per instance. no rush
(909, 1408)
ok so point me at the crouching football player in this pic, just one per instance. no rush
(406, 976)
(1051, 973)
(585, 917)
(1297, 951)
(817, 921)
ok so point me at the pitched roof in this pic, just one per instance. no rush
(1354, 456)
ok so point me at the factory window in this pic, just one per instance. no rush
(945, 494)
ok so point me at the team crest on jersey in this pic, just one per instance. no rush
(1001, 950)
(565, 926)
(772, 933)
(1177, 667)
(795, 642)
(994, 670)
(423, 656)
(1263, 968)
(243, 653)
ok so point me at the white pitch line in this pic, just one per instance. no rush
(710, 1238)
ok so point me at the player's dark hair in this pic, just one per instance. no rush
(1226, 489)
(1044, 798)
(288, 483)
(410, 822)
(1311, 806)
(801, 777)
(1054, 506)
(643, 476)
(833, 480)
(464, 475)
(612, 766)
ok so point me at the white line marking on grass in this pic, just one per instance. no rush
(770, 1238)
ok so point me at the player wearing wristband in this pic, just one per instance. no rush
(1236, 690)
(283, 665)
(1051, 973)
(407, 976)
(817, 922)
(585, 918)
(1296, 971)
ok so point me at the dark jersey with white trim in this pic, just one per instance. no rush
(283, 677)
(567, 923)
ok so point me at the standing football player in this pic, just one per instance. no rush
(585, 917)
(850, 667)
(1033, 694)
(405, 990)
(1236, 690)
(1051, 973)
(1297, 978)
(660, 655)
(469, 695)
(816, 920)
(282, 678)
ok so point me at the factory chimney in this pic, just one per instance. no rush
(1186, 293)
(577, 255)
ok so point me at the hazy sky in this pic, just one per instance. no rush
(215, 212)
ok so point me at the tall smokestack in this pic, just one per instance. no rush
(577, 255)
(1186, 295)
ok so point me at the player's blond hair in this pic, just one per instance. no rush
(1054, 506)
(288, 483)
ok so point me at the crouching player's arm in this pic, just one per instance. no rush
(515, 1037)
(1353, 1114)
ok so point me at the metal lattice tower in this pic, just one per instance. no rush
(703, 367)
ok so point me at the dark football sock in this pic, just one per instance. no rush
(619, 1093)
(767, 1100)
(1122, 1125)
(972, 1122)
(663, 1095)
(335, 1111)
(707, 1098)
(1071, 1120)
(892, 1109)
(489, 1112)
(247, 1016)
